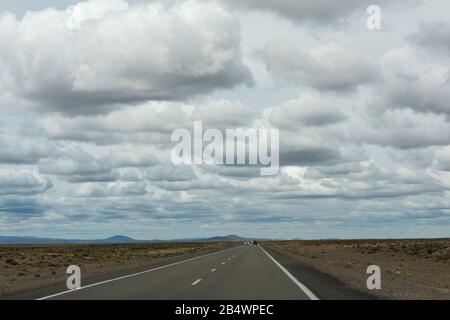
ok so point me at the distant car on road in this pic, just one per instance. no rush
(255, 243)
(246, 243)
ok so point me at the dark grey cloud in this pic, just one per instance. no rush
(236, 172)
(91, 177)
(204, 183)
(414, 80)
(318, 12)
(419, 95)
(434, 36)
(21, 208)
(341, 169)
(308, 156)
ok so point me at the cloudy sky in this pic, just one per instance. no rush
(90, 93)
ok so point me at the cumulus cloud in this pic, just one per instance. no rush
(22, 182)
(434, 36)
(364, 181)
(403, 129)
(442, 157)
(18, 208)
(83, 59)
(78, 165)
(308, 110)
(328, 69)
(149, 123)
(116, 189)
(16, 149)
(169, 172)
(340, 169)
(309, 155)
(413, 80)
(225, 114)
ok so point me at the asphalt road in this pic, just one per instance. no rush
(243, 272)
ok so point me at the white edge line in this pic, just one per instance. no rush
(196, 282)
(128, 276)
(212, 270)
(305, 290)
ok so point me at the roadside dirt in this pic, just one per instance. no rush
(410, 269)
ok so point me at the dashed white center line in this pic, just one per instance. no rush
(229, 259)
(212, 270)
(223, 262)
(196, 282)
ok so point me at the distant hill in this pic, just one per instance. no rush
(228, 238)
(35, 240)
(116, 239)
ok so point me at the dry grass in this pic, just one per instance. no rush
(435, 249)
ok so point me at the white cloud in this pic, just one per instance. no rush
(103, 52)
(17, 149)
(327, 69)
(114, 189)
(22, 182)
(443, 158)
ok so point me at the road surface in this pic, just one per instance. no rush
(244, 272)
(238, 273)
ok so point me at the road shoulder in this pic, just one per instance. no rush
(324, 286)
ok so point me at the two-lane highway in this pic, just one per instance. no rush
(244, 272)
